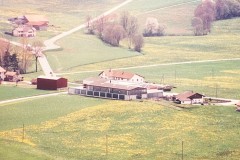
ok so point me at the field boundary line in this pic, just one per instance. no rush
(153, 65)
(166, 7)
(29, 98)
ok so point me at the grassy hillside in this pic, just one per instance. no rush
(135, 130)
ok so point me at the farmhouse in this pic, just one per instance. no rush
(121, 76)
(39, 22)
(2, 73)
(13, 77)
(24, 31)
(189, 97)
(51, 83)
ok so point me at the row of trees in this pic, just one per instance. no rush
(19, 58)
(112, 31)
(209, 11)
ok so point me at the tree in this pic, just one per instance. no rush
(99, 25)
(113, 33)
(138, 42)
(5, 46)
(130, 25)
(7, 60)
(14, 62)
(206, 11)
(152, 28)
(222, 10)
(24, 55)
(37, 47)
(197, 25)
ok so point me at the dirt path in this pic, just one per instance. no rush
(153, 65)
(175, 5)
(29, 98)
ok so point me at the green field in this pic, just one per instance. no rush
(77, 127)
(12, 91)
(73, 127)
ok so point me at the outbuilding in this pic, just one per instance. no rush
(51, 83)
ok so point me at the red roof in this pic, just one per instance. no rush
(118, 74)
(188, 95)
(36, 18)
(11, 73)
(40, 23)
(2, 69)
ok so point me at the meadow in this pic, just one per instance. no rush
(12, 91)
(74, 127)
(120, 130)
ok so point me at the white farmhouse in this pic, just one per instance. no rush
(121, 76)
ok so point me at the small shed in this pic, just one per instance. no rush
(51, 83)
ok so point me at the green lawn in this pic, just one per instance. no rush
(80, 49)
(135, 130)
(35, 111)
(12, 91)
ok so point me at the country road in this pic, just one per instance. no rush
(152, 65)
(50, 42)
(29, 98)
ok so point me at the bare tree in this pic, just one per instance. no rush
(113, 33)
(37, 47)
(138, 42)
(153, 28)
(130, 25)
(100, 25)
(25, 56)
(206, 11)
(197, 25)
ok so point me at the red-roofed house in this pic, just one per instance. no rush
(39, 22)
(189, 97)
(2, 73)
(121, 75)
(24, 31)
(13, 77)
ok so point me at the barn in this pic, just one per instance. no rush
(51, 83)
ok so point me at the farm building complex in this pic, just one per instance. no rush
(118, 85)
(189, 97)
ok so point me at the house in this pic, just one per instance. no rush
(110, 89)
(51, 83)
(2, 73)
(39, 22)
(24, 31)
(238, 106)
(13, 77)
(121, 76)
(189, 97)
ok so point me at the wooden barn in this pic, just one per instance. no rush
(51, 83)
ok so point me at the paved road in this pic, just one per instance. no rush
(153, 65)
(50, 42)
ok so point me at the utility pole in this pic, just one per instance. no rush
(23, 136)
(106, 146)
(216, 91)
(182, 150)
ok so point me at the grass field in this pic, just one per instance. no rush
(135, 130)
(12, 91)
(73, 127)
